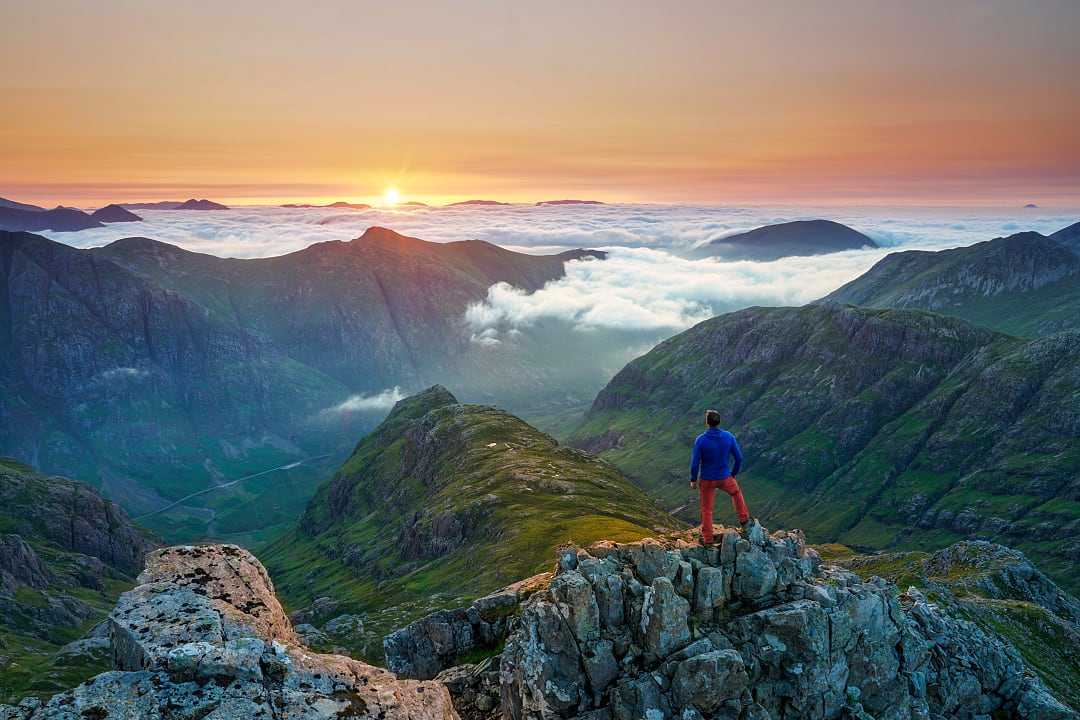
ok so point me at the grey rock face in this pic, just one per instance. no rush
(73, 516)
(426, 647)
(20, 565)
(766, 633)
(203, 636)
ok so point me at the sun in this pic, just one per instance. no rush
(391, 196)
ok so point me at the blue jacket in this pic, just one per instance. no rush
(711, 451)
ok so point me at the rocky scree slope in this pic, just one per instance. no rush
(1024, 284)
(876, 428)
(65, 555)
(756, 628)
(400, 527)
(203, 636)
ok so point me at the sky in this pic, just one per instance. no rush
(840, 102)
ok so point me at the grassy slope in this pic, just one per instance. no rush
(434, 462)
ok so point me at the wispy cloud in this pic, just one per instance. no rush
(378, 402)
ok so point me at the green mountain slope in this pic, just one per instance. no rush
(65, 556)
(877, 428)
(374, 312)
(156, 374)
(1024, 284)
(138, 390)
(398, 530)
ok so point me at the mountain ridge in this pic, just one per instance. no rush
(436, 484)
(1023, 284)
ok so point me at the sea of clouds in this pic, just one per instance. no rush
(644, 285)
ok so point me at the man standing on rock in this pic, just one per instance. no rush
(712, 450)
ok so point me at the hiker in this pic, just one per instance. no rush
(712, 450)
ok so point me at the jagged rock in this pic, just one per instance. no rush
(475, 689)
(424, 648)
(203, 636)
(774, 634)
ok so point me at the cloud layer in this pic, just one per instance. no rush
(643, 292)
(264, 231)
(641, 289)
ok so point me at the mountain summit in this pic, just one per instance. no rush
(438, 485)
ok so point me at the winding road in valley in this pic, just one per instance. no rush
(229, 484)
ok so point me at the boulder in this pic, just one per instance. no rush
(202, 635)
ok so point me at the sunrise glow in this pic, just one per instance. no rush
(391, 197)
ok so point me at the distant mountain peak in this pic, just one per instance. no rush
(114, 213)
(193, 204)
(481, 203)
(568, 202)
(421, 403)
(376, 234)
(13, 205)
(786, 239)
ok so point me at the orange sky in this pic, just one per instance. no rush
(705, 102)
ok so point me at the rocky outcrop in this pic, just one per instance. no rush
(756, 628)
(72, 515)
(433, 643)
(203, 636)
(20, 565)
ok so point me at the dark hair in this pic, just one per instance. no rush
(712, 418)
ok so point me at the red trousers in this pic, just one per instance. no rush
(708, 493)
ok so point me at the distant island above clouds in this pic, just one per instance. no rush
(477, 203)
(568, 202)
(339, 204)
(191, 204)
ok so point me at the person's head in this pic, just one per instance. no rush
(712, 418)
